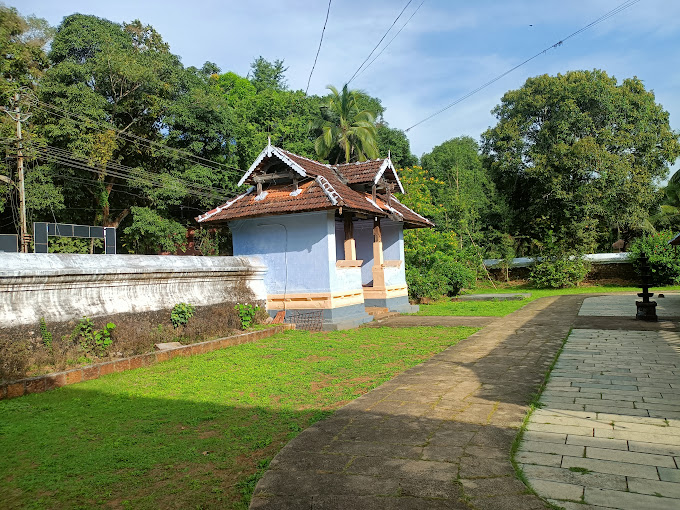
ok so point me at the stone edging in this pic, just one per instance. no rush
(54, 380)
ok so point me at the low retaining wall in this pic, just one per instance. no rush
(604, 266)
(48, 382)
(61, 287)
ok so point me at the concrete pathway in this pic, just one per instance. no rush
(608, 434)
(437, 436)
(411, 321)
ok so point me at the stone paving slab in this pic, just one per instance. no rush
(436, 436)
(410, 321)
(628, 432)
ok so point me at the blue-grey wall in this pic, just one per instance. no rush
(298, 249)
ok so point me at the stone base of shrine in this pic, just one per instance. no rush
(333, 319)
(395, 299)
(335, 311)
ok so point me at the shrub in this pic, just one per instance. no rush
(559, 272)
(181, 313)
(45, 334)
(14, 358)
(664, 261)
(436, 265)
(246, 313)
(93, 341)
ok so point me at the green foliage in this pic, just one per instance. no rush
(435, 266)
(559, 272)
(72, 245)
(93, 341)
(181, 313)
(45, 334)
(150, 232)
(395, 142)
(265, 75)
(347, 133)
(246, 312)
(22, 44)
(460, 186)
(578, 154)
(664, 260)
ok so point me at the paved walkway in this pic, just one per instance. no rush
(437, 436)
(608, 434)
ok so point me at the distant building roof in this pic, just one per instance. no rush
(290, 183)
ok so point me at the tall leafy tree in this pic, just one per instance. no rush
(268, 75)
(116, 94)
(463, 189)
(347, 133)
(577, 156)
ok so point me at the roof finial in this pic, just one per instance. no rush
(389, 154)
(269, 141)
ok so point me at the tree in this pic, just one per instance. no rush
(115, 94)
(577, 156)
(395, 142)
(267, 75)
(347, 133)
(282, 115)
(465, 192)
(22, 44)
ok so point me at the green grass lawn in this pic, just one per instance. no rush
(192, 432)
(502, 308)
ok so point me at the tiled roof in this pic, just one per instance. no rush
(323, 187)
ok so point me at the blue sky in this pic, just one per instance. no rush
(447, 49)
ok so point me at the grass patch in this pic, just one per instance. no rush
(502, 308)
(580, 470)
(193, 432)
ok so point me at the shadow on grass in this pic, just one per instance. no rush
(80, 448)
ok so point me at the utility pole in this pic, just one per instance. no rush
(17, 116)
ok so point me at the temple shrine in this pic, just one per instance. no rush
(331, 236)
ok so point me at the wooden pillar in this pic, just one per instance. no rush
(350, 244)
(378, 258)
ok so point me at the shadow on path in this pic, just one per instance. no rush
(437, 436)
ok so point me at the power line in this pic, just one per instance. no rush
(319, 50)
(380, 41)
(64, 157)
(136, 172)
(559, 43)
(189, 157)
(390, 41)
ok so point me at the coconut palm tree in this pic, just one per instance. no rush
(347, 134)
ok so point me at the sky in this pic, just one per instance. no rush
(448, 48)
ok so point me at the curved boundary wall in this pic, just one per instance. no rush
(61, 287)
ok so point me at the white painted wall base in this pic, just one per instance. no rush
(61, 287)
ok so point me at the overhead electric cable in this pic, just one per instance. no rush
(192, 158)
(559, 43)
(136, 172)
(319, 50)
(380, 41)
(390, 41)
(64, 157)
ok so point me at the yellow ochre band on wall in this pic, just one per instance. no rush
(386, 293)
(318, 301)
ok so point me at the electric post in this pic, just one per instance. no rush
(17, 116)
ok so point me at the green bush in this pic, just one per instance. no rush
(559, 272)
(436, 265)
(246, 313)
(93, 341)
(181, 313)
(664, 260)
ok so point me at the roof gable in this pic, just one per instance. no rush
(313, 186)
